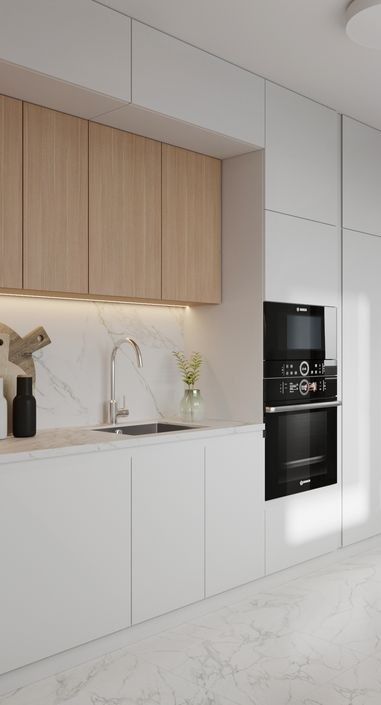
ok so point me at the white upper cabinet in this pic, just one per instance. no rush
(361, 177)
(302, 261)
(77, 41)
(302, 157)
(175, 79)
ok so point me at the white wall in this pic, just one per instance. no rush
(73, 372)
(230, 335)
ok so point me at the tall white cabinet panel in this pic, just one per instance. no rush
(167, 528)
(361, 177)
(302, 526)
(78, 41)
(361, 386)
(64, 553)
(302, 157)
(302, 261)
(234, 510)
(178, 80)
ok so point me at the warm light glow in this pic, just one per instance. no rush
(95, 300)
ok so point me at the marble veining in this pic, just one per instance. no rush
(309, 640)
(72, 374)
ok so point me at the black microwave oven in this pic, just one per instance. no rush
(299, 332)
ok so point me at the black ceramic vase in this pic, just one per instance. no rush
(24, 409)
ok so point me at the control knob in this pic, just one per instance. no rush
(304, 387)
(304, 368)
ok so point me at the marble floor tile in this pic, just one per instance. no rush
(342, 605)
(358, 686)
(120, 679)
(279, 669)
(265, 615)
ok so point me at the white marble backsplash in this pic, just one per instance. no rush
(73, 373)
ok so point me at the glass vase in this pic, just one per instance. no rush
(192, 405)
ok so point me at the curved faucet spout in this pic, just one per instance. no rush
(114, 411)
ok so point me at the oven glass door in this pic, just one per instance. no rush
(301, 451)
(293, 332)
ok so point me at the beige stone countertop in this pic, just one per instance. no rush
(69, 441)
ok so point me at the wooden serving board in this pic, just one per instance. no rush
(22, 349)
(16, 359)
(9, 371)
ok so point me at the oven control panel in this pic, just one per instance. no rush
(299, 389)
(299, 368)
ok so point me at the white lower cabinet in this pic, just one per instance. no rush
(167, 528)
(234, 511)
(64, 553)
(302, 526)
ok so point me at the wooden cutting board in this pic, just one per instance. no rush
(9, 371)
(16, 359)
(22, 349)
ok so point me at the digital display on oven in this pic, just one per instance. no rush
(304, 332)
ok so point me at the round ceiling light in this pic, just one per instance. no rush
(363, 23)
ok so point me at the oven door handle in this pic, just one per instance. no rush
(301, 407)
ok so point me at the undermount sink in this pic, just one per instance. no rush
(146, 428)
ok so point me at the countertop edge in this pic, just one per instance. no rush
(99, 444)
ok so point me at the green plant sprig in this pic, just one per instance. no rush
(190, 369)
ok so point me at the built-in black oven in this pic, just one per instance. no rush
(300, 398)
(301, 449)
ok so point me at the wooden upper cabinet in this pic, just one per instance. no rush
(55, 201)
(191, 237)
(10, 193)
(124, 214)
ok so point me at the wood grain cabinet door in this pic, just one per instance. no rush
(55, 201)
(124, 214)
(10, 193)
(191, 237)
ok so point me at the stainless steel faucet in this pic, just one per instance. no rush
(114, 410)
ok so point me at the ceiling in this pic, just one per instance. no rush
(300, 44)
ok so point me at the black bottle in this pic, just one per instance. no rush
(24, 409)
